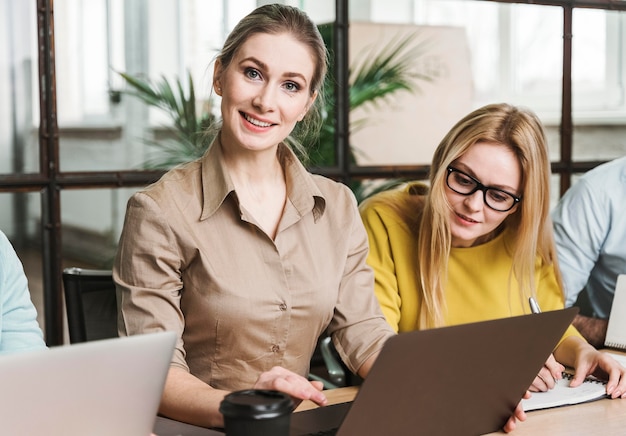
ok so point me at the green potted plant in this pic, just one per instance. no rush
(189, 136)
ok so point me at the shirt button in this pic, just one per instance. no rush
(275, 348)
(283, 307)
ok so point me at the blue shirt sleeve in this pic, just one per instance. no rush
(590, 235)
(19, 329)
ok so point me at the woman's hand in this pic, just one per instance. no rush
(592, 361)
(290, 383)
(586, 360)
(518, 415)
(548, 375)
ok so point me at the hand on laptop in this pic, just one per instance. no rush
(283, 380)
(548, 375)
(518, 415)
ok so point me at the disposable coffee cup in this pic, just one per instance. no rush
(256, 412)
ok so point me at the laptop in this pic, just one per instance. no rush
(106, 387)
(616, 329)
(465, 379)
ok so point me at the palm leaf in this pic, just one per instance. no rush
(188, 140)
(385, 73)
(380, 74)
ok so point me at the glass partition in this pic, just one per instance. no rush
(19, 108)
(598, 86)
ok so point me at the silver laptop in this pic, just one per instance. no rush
(107, 387)
(461, 380)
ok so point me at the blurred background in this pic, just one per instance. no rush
(78, 134)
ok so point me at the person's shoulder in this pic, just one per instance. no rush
(175, 181)
(407, 194)
(179, 174)
(611, 171)
(590, 190)
(5, 246)
(3, 239)
(401, 205)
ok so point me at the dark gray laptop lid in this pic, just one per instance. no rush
(464, 379)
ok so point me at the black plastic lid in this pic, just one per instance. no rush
(256, 404)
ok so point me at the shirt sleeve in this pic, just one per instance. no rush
(580, 228)
(18, 316)
(147, 275)
(550, 297)
(381, 260)
(358, 327)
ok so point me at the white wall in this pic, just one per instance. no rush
(407, 129)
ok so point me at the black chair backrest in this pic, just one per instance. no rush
(91, 304)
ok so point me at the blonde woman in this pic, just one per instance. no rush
(243, 253)
(477, 241)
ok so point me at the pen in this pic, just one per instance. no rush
(534, 306)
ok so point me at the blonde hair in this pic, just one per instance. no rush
(519, 130)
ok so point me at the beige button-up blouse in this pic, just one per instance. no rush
(191, 260)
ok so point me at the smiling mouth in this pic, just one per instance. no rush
(465, 218)
(254, 121)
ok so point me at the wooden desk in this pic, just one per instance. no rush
(339, 395)
(602, 417)
(169, 427)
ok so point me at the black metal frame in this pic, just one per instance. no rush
(50, 180)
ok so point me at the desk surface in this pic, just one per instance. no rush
(600, 417)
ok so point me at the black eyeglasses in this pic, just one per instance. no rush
(495, 198)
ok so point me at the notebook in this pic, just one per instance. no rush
(464, 379)
(100, 388)
(562, 395)
(616, 330)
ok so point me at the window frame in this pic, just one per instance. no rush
(50, 181)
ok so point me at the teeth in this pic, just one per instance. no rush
(256, 122)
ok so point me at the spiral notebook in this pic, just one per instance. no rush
(616, 331)
(563, 395)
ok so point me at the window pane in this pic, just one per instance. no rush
(481, 23)
(598, 85)
(598, 61)
(536, 64)
(476, 53)
(82, 61)
(92, 224)
(18, 88)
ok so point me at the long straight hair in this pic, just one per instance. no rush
(520, 131)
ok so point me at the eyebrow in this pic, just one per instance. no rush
(468, 170)
(263, 66)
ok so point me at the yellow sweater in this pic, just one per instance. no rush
(477, 286)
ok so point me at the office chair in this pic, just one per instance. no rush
(335, 373)
(90, 303)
